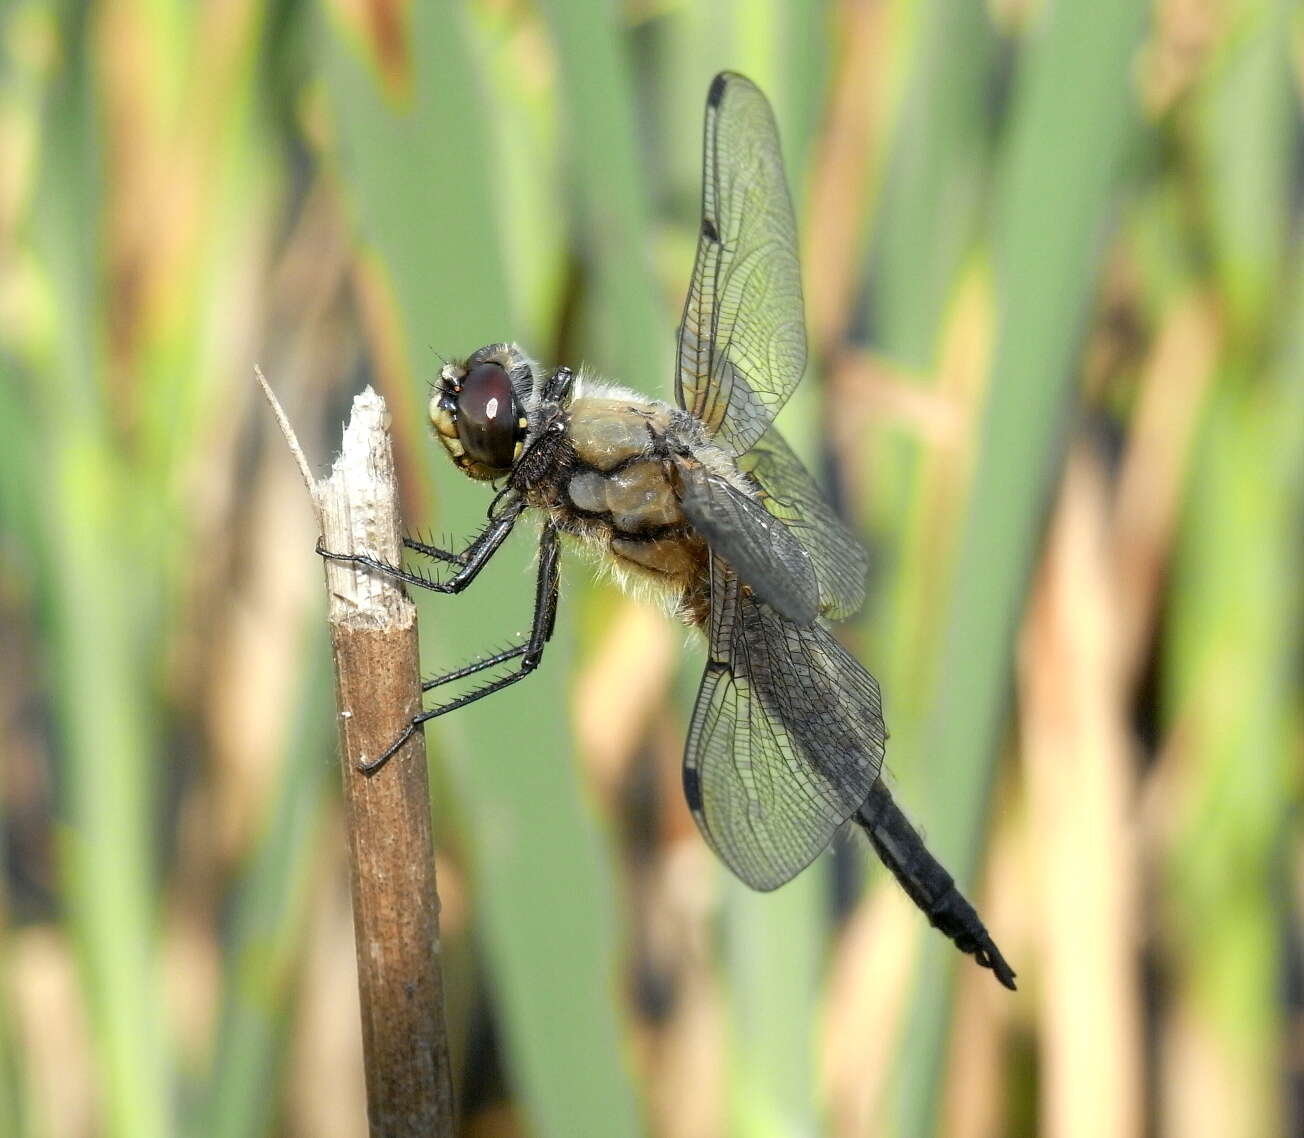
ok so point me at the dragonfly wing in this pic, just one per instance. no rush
(790, 494)
(742, 340)
(786, 739)
(758, 547)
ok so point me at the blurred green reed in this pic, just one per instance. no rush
(1233, 651)
(267, 922)
(1071, 125)
(519, 171)
(96, 613)
(429, 148)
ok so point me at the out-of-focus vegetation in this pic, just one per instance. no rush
(1056, 293)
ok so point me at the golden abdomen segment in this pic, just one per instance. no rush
(678, 559)
(633, 512)
(635, 498)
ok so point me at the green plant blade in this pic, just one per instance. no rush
(95, 674)
(930, 209)
(268, 923)
(415, 166)
(1073, 123)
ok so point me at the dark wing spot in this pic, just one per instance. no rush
(692, 789)
(716, 93)
(709, 230)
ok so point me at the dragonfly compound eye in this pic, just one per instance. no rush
(488, 416)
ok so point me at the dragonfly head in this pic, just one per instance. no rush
(478, 409)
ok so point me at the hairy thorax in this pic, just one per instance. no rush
(613, 487)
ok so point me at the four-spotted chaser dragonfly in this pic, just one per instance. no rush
(703, 501)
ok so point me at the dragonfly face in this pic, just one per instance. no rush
(477, 410)
(702, 499)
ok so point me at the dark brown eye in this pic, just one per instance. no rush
(487, 416)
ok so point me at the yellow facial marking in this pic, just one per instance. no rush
(443, 422)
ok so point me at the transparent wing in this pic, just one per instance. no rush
(790, 494)
(786, 740)
(742, 342)
(759, 548)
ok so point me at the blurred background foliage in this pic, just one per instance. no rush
(1056, 296)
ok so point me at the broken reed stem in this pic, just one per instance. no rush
(392, 864)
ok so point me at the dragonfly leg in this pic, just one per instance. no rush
(479, 666)
(471, 560)
(448, 556)
(530, 653)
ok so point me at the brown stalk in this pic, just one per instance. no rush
(391, 852)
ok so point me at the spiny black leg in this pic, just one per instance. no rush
(434, 553)
(545, 617)
(460, 557)
(475, 557)
(926, 882)
(479, 666)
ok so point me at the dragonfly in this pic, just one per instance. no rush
(703, 503)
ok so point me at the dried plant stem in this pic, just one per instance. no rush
(395, 904)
